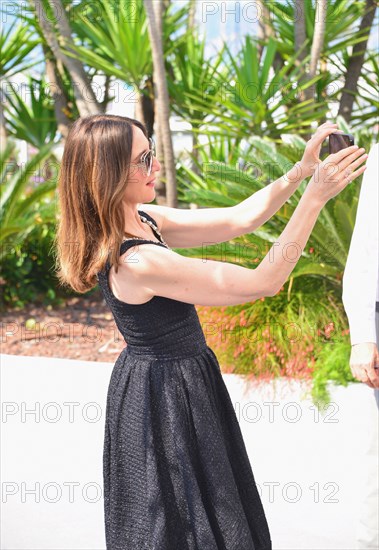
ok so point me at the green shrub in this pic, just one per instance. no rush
(332, 365)
(301, 334)
(26, 270)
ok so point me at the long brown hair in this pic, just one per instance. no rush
(92, 178)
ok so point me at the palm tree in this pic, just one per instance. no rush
(232, 176)
(317, 44)
(118, 47)
(85, 97)
(154, 12)
(191, 15)
(355, 65)
(248, 100)
(15, 45)
(62, 111)
(23, 204)
(330, 42)
(32, 121)
(192, 72)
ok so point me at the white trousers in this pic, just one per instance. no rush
(367, 527)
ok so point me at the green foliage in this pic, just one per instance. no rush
(15, 44)
(332, 365)
(113, 37)
(23, 204)
(340, 30)
(34, 123)
(288, 335)
(228, 182)
(310, 303)
(27, 270)
(193, 72)
(367, 103)
(248, 107)
(106, 43)
(249, 100)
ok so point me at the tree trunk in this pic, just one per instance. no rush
(162, 100)
(265, 31)
(144, 110)
(57, 93)
(191, 30)
(317, 44)
(161, 193)
(161, 181)
(148, 106)
(195, 151)
(300, 36)
(191, 15)
(138, 111)
(104, 103)
(3, 131)
(355, 64)
(84, 96)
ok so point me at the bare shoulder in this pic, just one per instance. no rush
(139, 252)
(142, 259)
(150, 269)
(135, 266)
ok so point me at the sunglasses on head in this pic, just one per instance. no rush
(147, 158)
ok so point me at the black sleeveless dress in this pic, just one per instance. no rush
(176, 471)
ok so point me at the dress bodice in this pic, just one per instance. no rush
(161, 327)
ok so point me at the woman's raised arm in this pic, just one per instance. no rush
(162, 272)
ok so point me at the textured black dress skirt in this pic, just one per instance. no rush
(176, 471)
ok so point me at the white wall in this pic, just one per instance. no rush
(312, 463)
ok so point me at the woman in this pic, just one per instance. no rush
(176, 471)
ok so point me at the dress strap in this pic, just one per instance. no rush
(132, 242)
(150, 218)
(127, 243)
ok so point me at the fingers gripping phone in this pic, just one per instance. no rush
(339, 141)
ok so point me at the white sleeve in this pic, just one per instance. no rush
(360, 279)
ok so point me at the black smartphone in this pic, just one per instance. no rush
(339, 141)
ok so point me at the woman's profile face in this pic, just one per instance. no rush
(139, 190)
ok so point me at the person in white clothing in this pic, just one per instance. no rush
(360, 297)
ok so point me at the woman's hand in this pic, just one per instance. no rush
(364, 363)
(335, 173)
(311, 156)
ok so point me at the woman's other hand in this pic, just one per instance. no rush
(311, 156)
(363, 360)
(334, 173)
